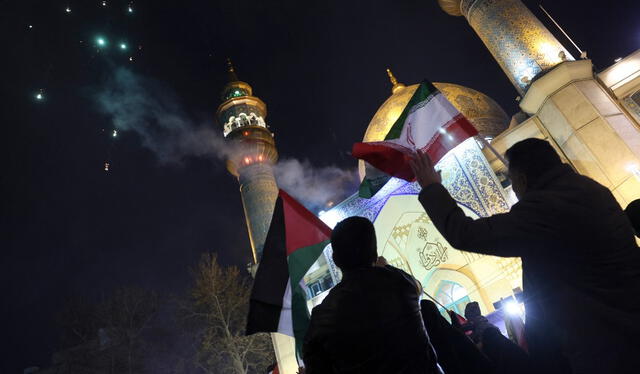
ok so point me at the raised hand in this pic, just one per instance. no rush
(423, 169)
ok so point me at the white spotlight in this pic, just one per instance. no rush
(513, 308)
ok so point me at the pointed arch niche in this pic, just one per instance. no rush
(442, 278)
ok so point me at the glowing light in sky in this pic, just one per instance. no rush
(30, 26)
(115, 133)
(106, 166)
(104, 3)
(39, 96)
(130, 58)
(130, 9)
(101, 42)
(123, 46)
(67, 9)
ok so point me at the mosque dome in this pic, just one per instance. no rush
(482, 111)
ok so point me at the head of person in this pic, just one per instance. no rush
(633, 212)
(529, 160)
(472, 310)
(353, 241)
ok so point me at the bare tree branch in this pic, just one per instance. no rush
(218, 305)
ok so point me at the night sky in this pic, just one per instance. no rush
(71, 228)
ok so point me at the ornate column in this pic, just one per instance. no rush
(518, 41)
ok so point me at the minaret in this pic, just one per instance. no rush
(518, 41)
(252, 154)
(580, 114)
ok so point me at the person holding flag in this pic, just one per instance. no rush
(579, 257)
(370, 322)
(295, 240)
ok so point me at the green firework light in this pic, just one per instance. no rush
(101, 42)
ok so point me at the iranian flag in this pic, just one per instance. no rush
(429, 123)
(295, 240)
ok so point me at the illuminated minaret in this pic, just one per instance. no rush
(251, 157)
(518, 41)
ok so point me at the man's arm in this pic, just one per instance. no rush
(498, 235)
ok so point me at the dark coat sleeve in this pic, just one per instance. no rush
(506, 235)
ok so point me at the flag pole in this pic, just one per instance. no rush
(562, 30)
(433, 299)
(493, 150)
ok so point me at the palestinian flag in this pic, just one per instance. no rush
(372, 182)
(429, 123)
(295, 240)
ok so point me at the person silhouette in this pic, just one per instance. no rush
(633, 212)
(580, 260)
(370, 322)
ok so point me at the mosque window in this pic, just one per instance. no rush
(318, 286)
(633, 104)
(236, 92)
(453, 296)
(636, 97)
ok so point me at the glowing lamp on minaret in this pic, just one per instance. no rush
(518, 41)
(252, 154)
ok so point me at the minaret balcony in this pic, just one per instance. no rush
(243, 120)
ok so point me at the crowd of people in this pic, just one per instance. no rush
(581, 280)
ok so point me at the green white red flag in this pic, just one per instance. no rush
(429, 123)
(295, 240)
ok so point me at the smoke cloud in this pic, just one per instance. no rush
(153, 111)
(317, 188)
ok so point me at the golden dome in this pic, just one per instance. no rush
(482, 111)
(451, 7)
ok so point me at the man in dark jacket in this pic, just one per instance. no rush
(476, 322)
(370, 322)
(580, 262)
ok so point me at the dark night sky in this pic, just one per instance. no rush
(70, 228)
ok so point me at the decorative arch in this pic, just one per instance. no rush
(436, 278)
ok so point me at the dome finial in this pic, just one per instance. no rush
(232, 72)
(393, 79)
(396, 86)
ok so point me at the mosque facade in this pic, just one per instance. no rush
(591, 118)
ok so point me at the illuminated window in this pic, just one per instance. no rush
(636, 98)
(633, 104)
(236, 92)
(453, 296)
